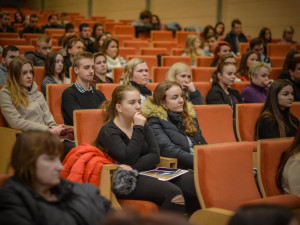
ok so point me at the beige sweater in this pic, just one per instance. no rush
(291, 175)
(36, 116)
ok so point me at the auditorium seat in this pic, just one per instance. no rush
(12, 41)
(165, 44)
(240, 86)
(125, 51)
(202, 73)
(170, 60)
(177, 51)
(160, 35)
(275, 73)
(137, 44)
(204, 88)
(153, 51)
(277, 61)
(107, 89)
(124, 30)
(39, 75)
(278, 50)
(181, 37)
(50, 31)
(159, 74)
(204, 61)
(244, 46)
(24, 48)
(28, 37)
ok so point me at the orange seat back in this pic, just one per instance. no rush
(160, 73)
(24, 48)
(275, 73)
(54, 100)
(216, 123)
(181, 37)
(170, 60)
(269, 153)
(50, 31)
(121, 38)
(244, 46)
(9, 35)
(165, 44)
(12, 41)
(152, 86)
(153, 51)
(86, 130)
(125, 51)
(240, 86)
(39, 75)
(137, 44)
(204, 61)
(161, 35)
(277, 61)
(279, 50)
(124, 30)
(204, 88)
(224, 175)
(106, 89)
(295, 109)
(177, 51)
(202, 73)
(28, 37)
(109, 26)
(246, 117)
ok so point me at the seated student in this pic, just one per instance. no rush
(211, 44)
(173, 122)
(18, 18)
(275, 120)
(288, 177)
(130, 141)
(70, 29)
(287, 37)
(236, 36)
(85, 33)
(97, 30)
(294, 70)
(257, 91)
(143, 24)
(222, 48)
(136, 74)
(156, 24)
(221, 93)
(219, 29)
(192, 48)
(111, 50)
(100, 70)
(55, 73)
(4, 23)
(98, 43)
(53, 23)
(263, 214)
(36, 194)
(43, 47)
(182, 74)
(64, 19)
(247, 59)
(256, 45)
(81, 95)
(74, 46)
(266, 36)
(285, 69)
(22, 105)
(32, 27)
(8, 54)
(208, 30)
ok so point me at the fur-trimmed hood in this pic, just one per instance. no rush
(150, 109)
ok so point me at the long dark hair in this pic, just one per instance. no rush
(271, 108)
(288, 59)
(243, 69)
(50, 64)
(292, 150)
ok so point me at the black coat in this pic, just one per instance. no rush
(217, 95)
(77, 204)
(230, 38)
(172, 140)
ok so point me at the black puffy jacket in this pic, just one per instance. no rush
(167, 128)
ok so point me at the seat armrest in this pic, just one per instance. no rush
(8, 138)
(167, 162)
(107, 173)
(211, 216)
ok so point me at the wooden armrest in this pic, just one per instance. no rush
(68, 126)
(107, 172)
(8, 138)
(167, 162)
(211, 216)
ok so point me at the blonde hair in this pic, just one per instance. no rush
(190, 49)
(175, 69)
(129, 68)
(81, 55)
(19, 95)
(256, 66)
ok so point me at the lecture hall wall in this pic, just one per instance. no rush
(254, 14)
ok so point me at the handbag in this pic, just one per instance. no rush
(124, 182)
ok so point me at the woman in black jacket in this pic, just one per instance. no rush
(221, 93)
(127, 139)
(181, 73)
(37, 195)
(275, 120)
(174, 123)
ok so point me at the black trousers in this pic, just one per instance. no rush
(162, 192)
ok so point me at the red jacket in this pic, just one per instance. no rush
(83, 164)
